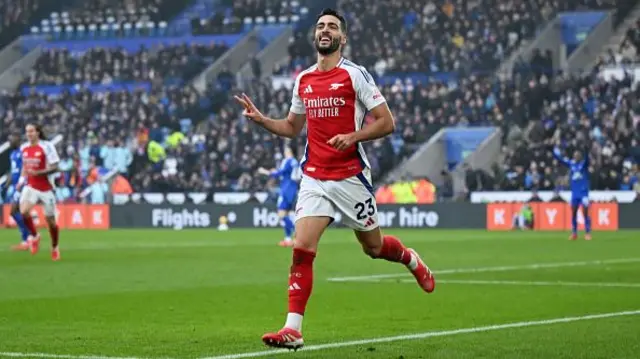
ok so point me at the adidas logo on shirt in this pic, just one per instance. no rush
(308, 89)
(294, 286)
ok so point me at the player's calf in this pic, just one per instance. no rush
(25, 209)
(391, 249)
(33, 238)
(288, 226)
(587, 222)
(54, 231)
(17, 217)
(377, 246)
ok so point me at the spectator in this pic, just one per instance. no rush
(173, 64)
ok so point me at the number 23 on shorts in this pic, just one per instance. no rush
(365, 209)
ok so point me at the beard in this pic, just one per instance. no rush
(327, 50)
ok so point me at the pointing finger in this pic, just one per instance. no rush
(241, 101)
(248, 100)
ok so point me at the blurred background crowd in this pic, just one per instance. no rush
(160, 133)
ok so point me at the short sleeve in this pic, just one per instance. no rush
(51, 153)
(366, 89)
(297, 105)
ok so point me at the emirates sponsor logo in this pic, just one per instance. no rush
(324, 102)
(324, 107)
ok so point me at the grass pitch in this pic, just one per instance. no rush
(207, 294)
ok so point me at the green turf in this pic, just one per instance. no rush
(193, 294)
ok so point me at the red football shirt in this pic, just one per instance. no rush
(335, 102)
(37, 157)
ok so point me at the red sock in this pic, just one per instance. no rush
(300, 280)
(28, 222)
(394, 251)
(54, 232)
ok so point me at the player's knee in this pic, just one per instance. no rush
(306, 244)
(24, 210)
(372, 250)
(51, 221)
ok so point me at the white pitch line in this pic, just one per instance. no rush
(490, 269)
(425, 335)
(57, 356)
(536, 283)
(430, 335)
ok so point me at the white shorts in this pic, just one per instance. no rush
(352, 198)
(47, 198)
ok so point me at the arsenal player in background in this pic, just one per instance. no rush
(332, 97)
(39, 161)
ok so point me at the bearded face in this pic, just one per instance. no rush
(326, 44)
(328, 36)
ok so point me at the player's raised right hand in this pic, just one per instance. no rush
(250, 110)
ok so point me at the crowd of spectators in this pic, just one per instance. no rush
(589, 114)
(216, 24)
(238, 12)
(438, 35)
(264, 8)
(94, 123)
(17, 15)
(99, 12)
(109, 65)
(175, 139)
(627, 51)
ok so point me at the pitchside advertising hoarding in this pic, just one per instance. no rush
(261, 216)
(69, 216)
(606, 216)
(552, 216)
(609, 210)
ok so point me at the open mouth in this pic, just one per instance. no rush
(325, 40)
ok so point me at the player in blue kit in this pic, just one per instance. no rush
(579, 182)
(14, 187)
(289, 176)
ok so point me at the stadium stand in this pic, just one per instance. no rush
(105, 66)
(627, 52)
(238, 15)
(172, 138)
(438, 37)
(588, 114)
(108, 18)
(17, 16)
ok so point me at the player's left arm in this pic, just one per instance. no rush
(276, 173)
(53, 161)
(22, 179)
(384, 124)
(270, 173)
(17, 164)
(283, 170)
(586, 162)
